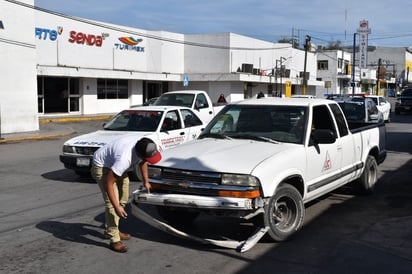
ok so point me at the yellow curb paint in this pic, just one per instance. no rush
(40, 137)
(73, 119)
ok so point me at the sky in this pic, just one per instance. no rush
(325, 21)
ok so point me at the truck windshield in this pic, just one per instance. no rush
(262, 123)
(135, 120)
(175, 99)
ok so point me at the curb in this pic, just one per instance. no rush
(73, 119)
(38, 137)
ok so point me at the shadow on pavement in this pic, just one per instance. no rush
(66, 175)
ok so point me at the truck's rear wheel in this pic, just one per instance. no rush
(178, 217)
(366, 183)
(284, 213)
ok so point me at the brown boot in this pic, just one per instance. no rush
(118, 247)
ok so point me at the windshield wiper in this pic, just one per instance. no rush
(215, 135)
(256, 138)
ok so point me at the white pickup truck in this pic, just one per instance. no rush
(167, 125)
(262, 160)
(198, 100)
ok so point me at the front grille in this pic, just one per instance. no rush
(86, 150)
(191, 176)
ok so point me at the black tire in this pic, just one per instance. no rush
(177, 217)
(284, 213)
(366, 182)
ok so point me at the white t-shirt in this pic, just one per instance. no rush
(118, 155)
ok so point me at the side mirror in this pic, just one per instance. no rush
(323, 136)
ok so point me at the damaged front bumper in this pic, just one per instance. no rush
(200, 202)
(194, 201)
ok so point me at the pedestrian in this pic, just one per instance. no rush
(260, 95)
(222, 99)
(109, 168)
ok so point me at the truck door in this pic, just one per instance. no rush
(204, 108)
(192, 124)
(323, 160)
(172, 132)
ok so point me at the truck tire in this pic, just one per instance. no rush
(177, 217)
(366, 182)
(284, 213)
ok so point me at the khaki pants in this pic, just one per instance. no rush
(121, 189)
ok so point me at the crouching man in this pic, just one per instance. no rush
(109, 168)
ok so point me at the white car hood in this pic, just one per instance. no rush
(232, 156)
(101, 137)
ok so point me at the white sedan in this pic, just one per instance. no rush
(166, 125)
(383, 105)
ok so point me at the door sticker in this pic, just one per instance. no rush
(327, 164)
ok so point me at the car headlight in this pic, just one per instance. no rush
(239, 180)
(154, 172)
(69, 149)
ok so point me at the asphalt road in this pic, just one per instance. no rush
(51, 222)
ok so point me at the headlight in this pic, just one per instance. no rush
(154, 172)
(69, 149)
(239, 180)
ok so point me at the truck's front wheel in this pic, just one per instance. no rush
(284, 213)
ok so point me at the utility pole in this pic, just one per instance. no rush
(353, 63)
(377, 77)
(307, 40)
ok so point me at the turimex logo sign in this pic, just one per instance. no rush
(129, 43)
(88, 39)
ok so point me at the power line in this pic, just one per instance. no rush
(154, 37)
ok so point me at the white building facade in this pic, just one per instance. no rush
(62, 65)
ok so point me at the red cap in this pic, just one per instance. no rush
(152, 154)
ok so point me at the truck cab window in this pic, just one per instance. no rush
(322, 119)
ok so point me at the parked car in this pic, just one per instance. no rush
(150, 101)
(167, 125)
(383, 105)
(404, 101)
(198, 100)
(360, 110)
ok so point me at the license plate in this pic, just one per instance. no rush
(82, 161)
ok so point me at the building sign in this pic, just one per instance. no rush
(129, 43)
(185, 80)
(88, 39)
(51, 34)
(363, 32)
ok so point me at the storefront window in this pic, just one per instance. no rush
(112, 89)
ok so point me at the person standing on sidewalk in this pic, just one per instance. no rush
(109, 168)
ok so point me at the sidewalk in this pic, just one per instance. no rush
(50, 127)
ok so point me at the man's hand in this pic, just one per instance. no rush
(121, 212)
(147, 186)
(145, 175)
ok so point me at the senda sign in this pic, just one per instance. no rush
(88, 39)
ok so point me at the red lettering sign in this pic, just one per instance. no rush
(88, 39)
